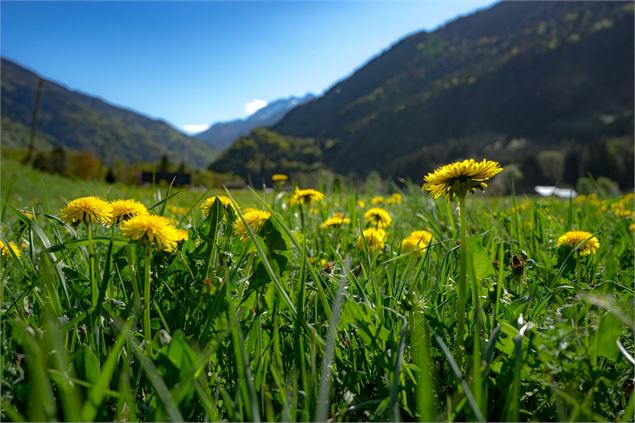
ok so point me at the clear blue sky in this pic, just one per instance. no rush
(201, 62)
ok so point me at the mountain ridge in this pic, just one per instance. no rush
(222, 134)
(436, 87)
(72, 119)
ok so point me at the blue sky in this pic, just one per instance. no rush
(195, 63)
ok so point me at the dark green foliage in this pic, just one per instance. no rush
(76, 121)
(552, 73)
(263, 153)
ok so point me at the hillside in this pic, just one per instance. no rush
(509, 81)
(262, 153)
(77, 121)
(222, 134)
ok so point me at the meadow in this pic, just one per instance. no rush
(312, 305)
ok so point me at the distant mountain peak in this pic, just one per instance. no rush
(222, 134)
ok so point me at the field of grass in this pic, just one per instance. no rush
(295, 321)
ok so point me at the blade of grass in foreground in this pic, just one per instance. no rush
(155, 379)
(96, 394)
(393, 409)
(322, 406)
(420, 341)
(263, 256)
(245, 381)
(42, 400)
(459, 378)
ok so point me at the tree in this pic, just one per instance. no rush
(110, 176)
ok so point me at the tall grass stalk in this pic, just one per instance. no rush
(147, 330)
(460, 307)
(322, 408)
(91, 266)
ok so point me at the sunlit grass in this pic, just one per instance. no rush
(292, 320)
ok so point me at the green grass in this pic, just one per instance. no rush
(302, 323)
(25, 187)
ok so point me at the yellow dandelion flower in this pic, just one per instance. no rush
(5, 250)
(394, 199)
(255, 219)
(523, 205)
(123, 210)
(580, 198)
(456, 179)
(375, 239)
(624, 206)
(279, 177)
(417, 240)
(306, 196)
(207, 204)
(178, 234)
(177, 210)
(623, 212)
(593, 200)
(156, 230)
(378, 217)
(87, 209)
(378, 199)
(335, 221)
(361, 204)
(27, 214)
(573, 239)
(631, 227)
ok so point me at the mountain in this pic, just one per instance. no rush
(511, 81)
(262, 153)
(222, 134)
(74, 120)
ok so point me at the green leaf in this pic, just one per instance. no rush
(608, 332)
(482, 262)
(102, 382)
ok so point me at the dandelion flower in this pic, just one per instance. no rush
(631, 227)
(378, 199)
(623, 207)
(573, 239)
(156, 230)
(87, 209)
(335, 221)
(361, 204)
(417, 240)
(5, 250)
(207, 204)
(27, 214)
(375, 239)
(177, 210)
(394, 199)
(123, 210)
(255, 219)
(378, 217)
(178, 234)
(279, 177)
(306, 196)
(456, 179)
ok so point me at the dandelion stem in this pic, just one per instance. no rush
(146, 300)
(91, 266)
(460, 308)
(132, 254)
